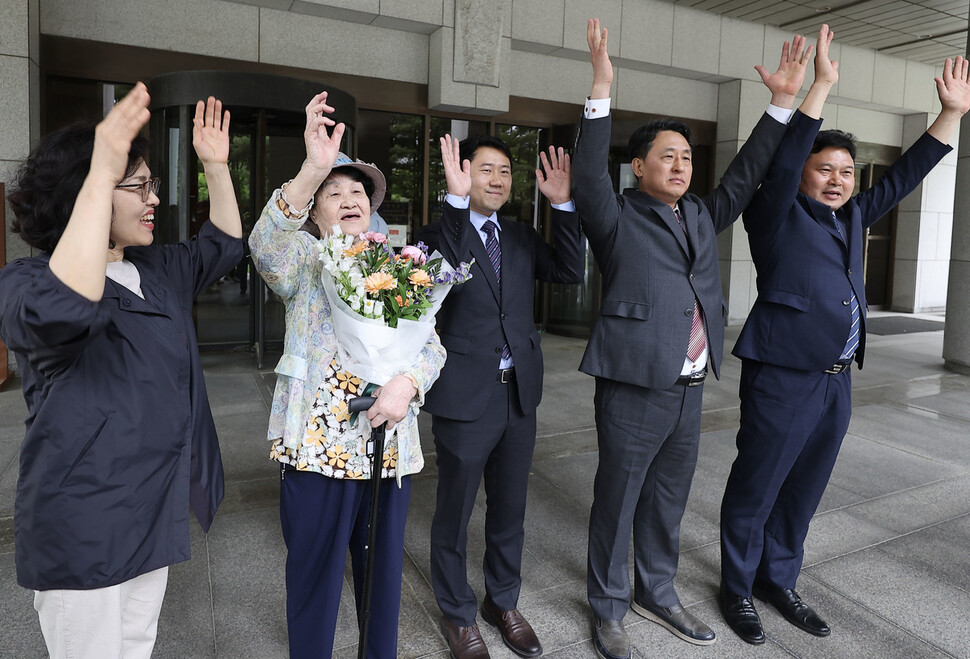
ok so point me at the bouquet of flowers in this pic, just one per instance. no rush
(383, 303)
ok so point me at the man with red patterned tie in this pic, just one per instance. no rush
(660, 323)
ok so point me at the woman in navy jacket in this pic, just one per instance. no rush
(120, 441)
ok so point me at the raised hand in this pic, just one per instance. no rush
(321, 148)
(785, 83)
(79, 258)
(826, 70)
(954, 86)
(458, 174)
(210, 132)
(602, 66)
(113, 136)
(954, 91)
(557, 181)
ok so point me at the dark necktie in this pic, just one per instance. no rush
(495, 256)
(493, 249)
(695, 347)
(853, 341)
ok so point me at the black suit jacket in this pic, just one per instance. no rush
(806, 270)
(651, 271)
(479, 317)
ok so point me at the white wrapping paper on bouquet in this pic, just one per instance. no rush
(370, 349)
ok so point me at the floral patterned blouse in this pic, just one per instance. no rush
(308, 378)
(332, 445)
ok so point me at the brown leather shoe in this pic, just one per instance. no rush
(516, 631)
(464, 642)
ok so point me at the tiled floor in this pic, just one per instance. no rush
(887, 558)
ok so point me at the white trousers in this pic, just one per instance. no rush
(105, 623)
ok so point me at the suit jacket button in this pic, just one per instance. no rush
(691, 276)
(849, 272)
(688, 312)
(498, 351)
(502, 317)
(126, 302)
(845, 303)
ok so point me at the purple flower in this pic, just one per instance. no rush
(460, 275)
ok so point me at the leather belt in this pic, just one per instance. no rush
(694, 379)
(837, 368)
(506, 375)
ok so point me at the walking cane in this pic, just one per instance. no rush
(375, 448)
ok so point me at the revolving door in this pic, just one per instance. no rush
(266, 132)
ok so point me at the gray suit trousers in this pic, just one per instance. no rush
(647, 453)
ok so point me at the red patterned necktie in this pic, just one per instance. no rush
(698, 341)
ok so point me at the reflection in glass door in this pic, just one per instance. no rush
(266, 150)
(222, 312)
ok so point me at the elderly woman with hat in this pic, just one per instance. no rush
(323, 460)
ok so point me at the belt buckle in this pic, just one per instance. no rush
(506, 375)
(836, 368)
(697, 379)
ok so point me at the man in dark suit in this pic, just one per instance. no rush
(806, 328)
(660, 322)
(484, 402)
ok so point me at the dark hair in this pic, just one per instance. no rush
(643, 137)
(470, 145)
(50, 179)
(834, 139)
(310, 226)
(358, 176)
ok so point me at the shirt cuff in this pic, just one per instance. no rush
(596, 108)
(781, 115)
(456, 202)
(568, 207)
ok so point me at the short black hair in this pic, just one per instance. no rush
(468, 146)
(643, 137)
(835, 139)
(49, 181)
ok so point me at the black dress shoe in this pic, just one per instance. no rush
(681, 622)
(790, 605)
(741, 616)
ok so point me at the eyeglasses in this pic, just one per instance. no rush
(144, 188)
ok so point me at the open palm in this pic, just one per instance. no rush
(210, 132)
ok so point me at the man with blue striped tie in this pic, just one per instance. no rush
(805, 330)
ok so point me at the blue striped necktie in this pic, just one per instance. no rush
(493, 249)
(853, 341)
(495, 256)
